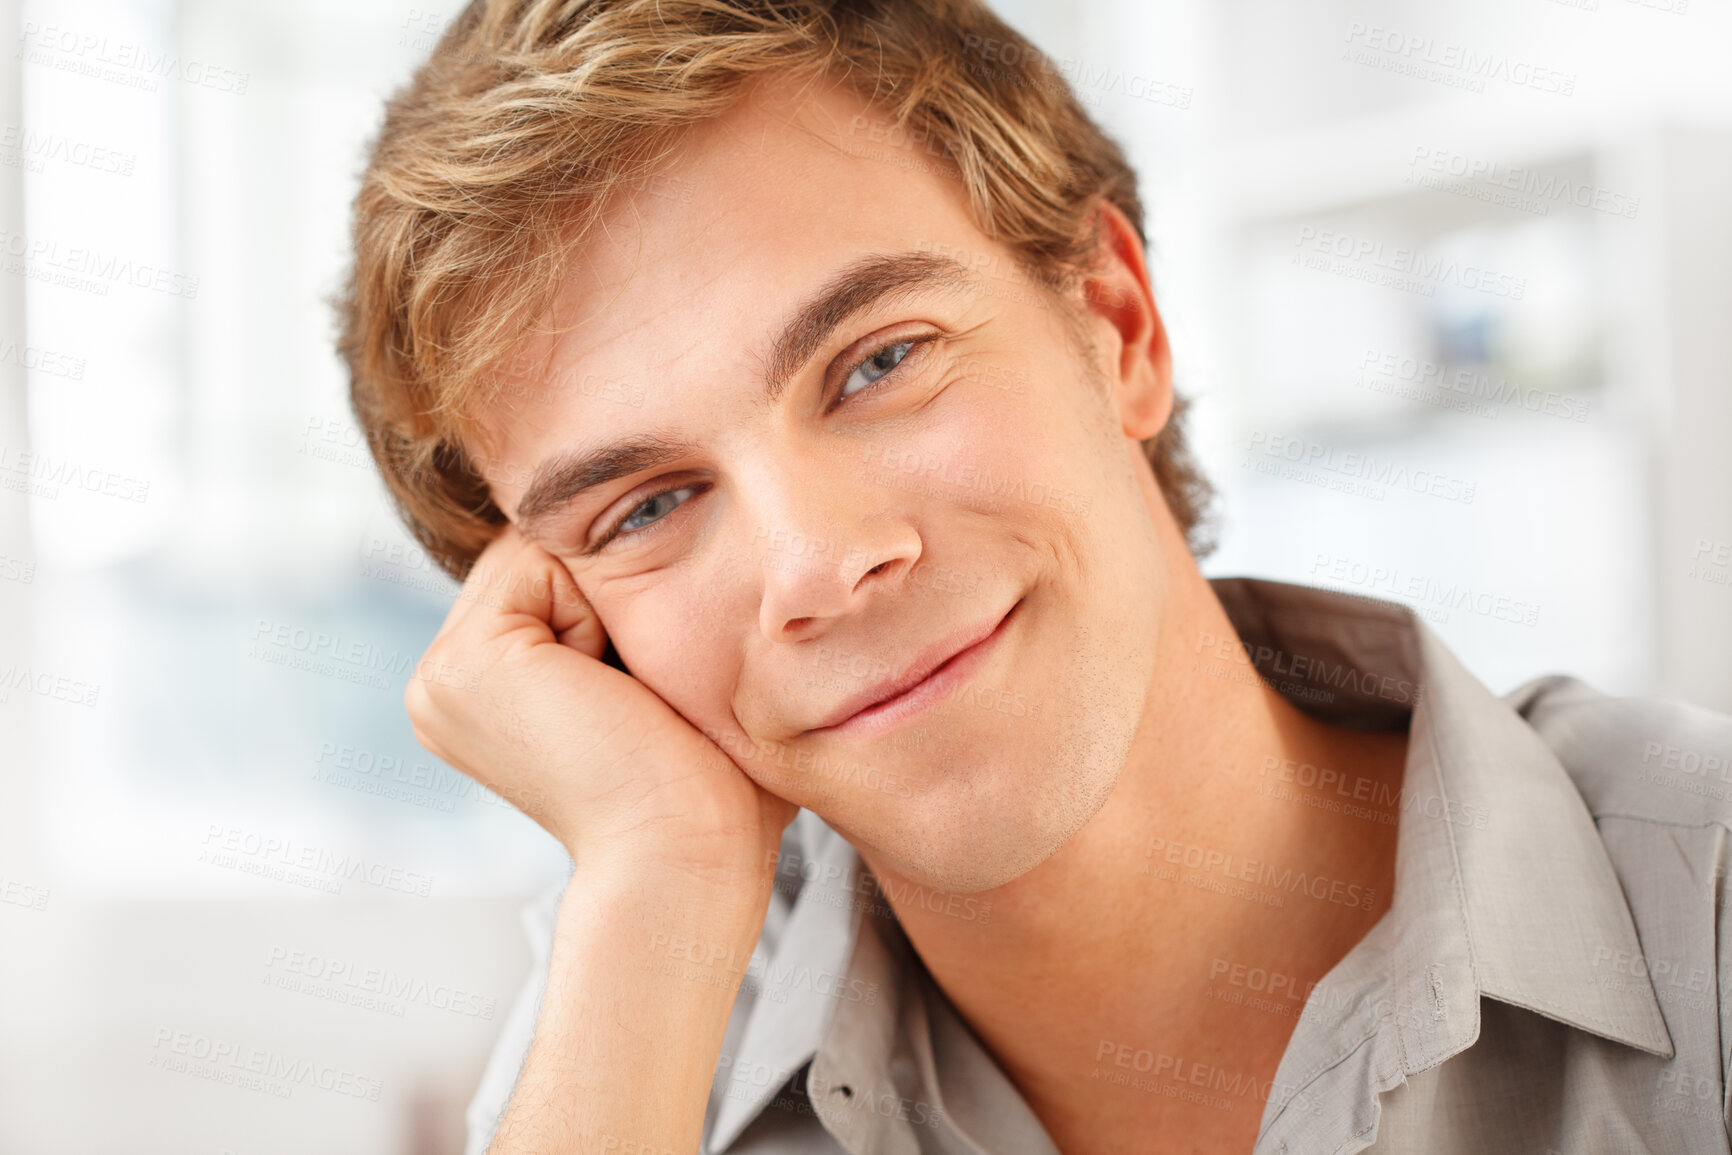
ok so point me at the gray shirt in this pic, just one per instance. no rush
(1548, 978)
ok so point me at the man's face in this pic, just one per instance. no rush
(855, 441)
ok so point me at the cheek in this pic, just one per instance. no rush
(670, 644)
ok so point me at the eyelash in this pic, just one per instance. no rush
(915, 345)
(614, 530)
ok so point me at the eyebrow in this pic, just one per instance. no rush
(868, 281)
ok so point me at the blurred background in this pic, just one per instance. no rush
(1450, 287)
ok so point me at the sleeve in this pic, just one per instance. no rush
(499, 1079)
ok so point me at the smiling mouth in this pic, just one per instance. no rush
(928, 681)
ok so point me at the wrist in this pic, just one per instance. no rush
(701, 853)
(689, 938)
(727, 897)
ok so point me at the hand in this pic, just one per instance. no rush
(514, 693)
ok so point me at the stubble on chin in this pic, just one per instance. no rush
(1007, 825)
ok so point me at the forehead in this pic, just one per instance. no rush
(672, 304)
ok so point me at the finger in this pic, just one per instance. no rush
(525, 579)
(586, 636)
(475, 595)
(573, 619)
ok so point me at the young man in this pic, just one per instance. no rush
(786, 382)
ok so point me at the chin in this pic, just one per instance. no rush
(978, 823)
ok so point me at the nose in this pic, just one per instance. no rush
(824, 555)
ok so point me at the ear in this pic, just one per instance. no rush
(1120, 311)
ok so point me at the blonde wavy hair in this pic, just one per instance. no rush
(494, 162)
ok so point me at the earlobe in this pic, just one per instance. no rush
(1119, 293)
(1145, 411)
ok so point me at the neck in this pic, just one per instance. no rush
(1171, 942)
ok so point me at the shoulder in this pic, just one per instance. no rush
(1651, 759)
(1656, 776)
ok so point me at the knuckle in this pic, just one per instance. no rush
(419, 703)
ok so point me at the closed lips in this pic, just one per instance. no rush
(932, 662)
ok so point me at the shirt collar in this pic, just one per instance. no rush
(1539, 890)
(1503, 886)
(797, 993)
(1497, 828)
(1503, 889)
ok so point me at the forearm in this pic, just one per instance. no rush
(625, 1051)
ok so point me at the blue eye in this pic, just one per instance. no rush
(656, 508)
(876, 367)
